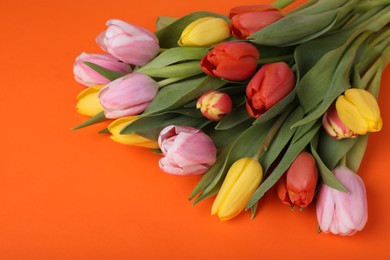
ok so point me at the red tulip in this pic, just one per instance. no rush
(297, 186)
(271, 83)
(246, 20)
(231, 60)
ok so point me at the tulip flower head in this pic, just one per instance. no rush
(241, 181)
(128, 95)
(271, 83)
(119, 124)
(88, 102)
(88, 76)
(246, 20)
(214, 104)
(187, 151)
(342, 213)
(234, 61)
(334, 127)
(359, 111)
(297, 186)
(205, 31)
(129, 43)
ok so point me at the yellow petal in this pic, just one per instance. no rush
(88, 102)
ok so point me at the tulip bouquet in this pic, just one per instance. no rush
(251, 100)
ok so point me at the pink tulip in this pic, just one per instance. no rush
(88, 76)
(343, 213)
(129, 43)
(128, 95)
(186, 150)
(333, 125)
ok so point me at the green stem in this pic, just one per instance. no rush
(272, 132)
(343, 161)
(367, 5)
(282, 3)
(287, 57)
(168, 81)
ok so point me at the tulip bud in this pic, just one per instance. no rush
(88, 102)
(129, 43)
(359, 111)
(128, 95)
(186, 150)
(297, 186)
(241, 181)
(271, 83)
(119, 124)
(88, 76)
(342, 213)
(214, 105)
(246, 20)
(205, 31)
(231, 60)
(334, 127)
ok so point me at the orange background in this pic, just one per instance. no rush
(77, 195)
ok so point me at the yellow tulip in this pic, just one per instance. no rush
(359, 111)
(88, 102)
(205, 31)
(130, 139)
(241, 181)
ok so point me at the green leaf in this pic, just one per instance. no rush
(91, 121)
(356, 153)
(237, 116)
(178, 94)
(108, 74)
(164, 21)
(169, 35)
(327, 176)
(291, 153)
(181, 70)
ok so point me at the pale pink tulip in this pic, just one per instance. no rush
(343, 213)
(186, 150)
(128, 95)
(129, 43)
(88, 76)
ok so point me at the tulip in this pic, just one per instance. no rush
(359, 111)
(187, 151)
(129, 43)
(241, 181)
(342, 213)
(214, 105)
(119, 124)
(88, 76)
(271, 83)
(128, 95)
(246, 20)
(231, 60)
(297, 186)
(334, 127)
(88, 102)
(205, 31)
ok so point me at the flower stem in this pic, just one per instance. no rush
(286, 58)
(272, 132)
(282, 3)
(168, 81)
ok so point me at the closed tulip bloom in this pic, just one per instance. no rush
(129, 43)
(214, 104)
(88, 76)
(205, 31)
(128, 95)
(247, 20)
(271, 83)
(343, 213)
(334, 127)
(187, 151)
(298, 184)
(241, 181)
(88, 102)
(359, 111)
(234, 61)
(119, 124)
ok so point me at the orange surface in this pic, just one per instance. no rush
(77, 195)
